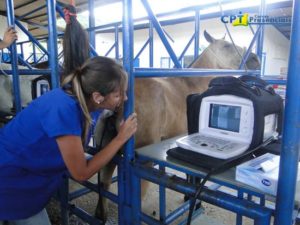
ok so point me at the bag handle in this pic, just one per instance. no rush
(254, 82)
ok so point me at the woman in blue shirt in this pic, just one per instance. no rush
(46, 139)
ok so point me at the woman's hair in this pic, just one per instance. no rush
(75, 42)
(98, 74)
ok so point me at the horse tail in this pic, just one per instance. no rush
(75, 42)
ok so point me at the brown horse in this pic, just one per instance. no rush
(160, 103)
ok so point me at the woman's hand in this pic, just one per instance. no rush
(10, 36)
(128, 127)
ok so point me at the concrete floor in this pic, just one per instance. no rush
(212, 215)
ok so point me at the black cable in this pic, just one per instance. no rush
(226, 165)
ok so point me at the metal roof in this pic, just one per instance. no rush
(33, 12)
(37, 21)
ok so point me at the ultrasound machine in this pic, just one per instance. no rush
(226, 126)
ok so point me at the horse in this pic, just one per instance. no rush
(6, 91)
(160, 104)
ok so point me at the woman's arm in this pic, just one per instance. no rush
(73, 153)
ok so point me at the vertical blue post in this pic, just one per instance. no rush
(263, 64)
(129, 147)
(291, 132)
(92, 22)
(117, 41)
(151, 44)
(197, 31)
(22, 51)
(260, 39)
(34, 53)
(162, 199)
(51, 5)
(14, 57)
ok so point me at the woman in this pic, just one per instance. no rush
(46, 140)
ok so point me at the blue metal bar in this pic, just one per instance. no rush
(40, 58)
(197, 31)
(104, 193)
(161, 34)
(31, 55)
(84, 215)
(116, 42)
(151, 46)
(246, 55)
(142, 49)
(79, 193)
(121, 196)
(145, 72)
(261, 215)
(92, 22)
(177, 212)
(24, 42)
(93, 51)
(253, 9)
(27, 72)
(33, 11)
(52, 43)
(110, 49)
(162, 199)
(24, 62)
(14, 61)
(136, 201)
(260, 39)
(263, 64)
(22, 50)
(239, 218)
(34, 53)
(186, 47)
(251, 28)
(168, 35)
(127, 181)
(291, 132)
(31, 37)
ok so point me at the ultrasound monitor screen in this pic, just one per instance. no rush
(225, 117)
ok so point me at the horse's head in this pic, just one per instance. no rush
(222, 54)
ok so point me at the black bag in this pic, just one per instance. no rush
(265, 101)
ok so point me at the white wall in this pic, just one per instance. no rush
(276, 45)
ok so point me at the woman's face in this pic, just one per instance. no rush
(114, 100)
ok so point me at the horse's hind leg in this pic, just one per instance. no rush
(105, 178)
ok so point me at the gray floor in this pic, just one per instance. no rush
(212, 215)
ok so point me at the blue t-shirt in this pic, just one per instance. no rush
(31, 166)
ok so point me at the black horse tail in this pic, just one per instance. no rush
(75, 42)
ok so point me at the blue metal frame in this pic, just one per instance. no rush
(228, 203)
(161, 33)
(259, 46)
(291, 132)
(127, 181)
(52, 43)
(130, 172)
(92, 22)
